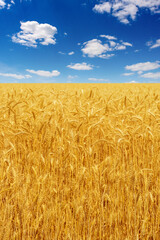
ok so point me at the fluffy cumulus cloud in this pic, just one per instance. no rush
(94, 48)
(99, 48)
(80, 66)
(126, 10)
(33, 33)
(142, 67)
(42, 73)
(16, 76)
(151, 75)
(103, 7)
(153, 45)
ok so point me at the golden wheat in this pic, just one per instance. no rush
(80, 161)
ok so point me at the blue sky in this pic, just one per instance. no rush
(59, 41)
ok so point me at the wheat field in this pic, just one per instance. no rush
(80, 161)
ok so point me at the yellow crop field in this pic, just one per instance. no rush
(80, 161)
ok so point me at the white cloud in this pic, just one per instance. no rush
(97, 48)
(128, 74)
(10, 4)
(33, 33)
(146, 66)
(98, 79)
(103, 7)
(72, 77)
(62, 53)
(108, 37)
(151, 75)
(127, 44)
(112, 43)
(106, 56)
(125, 10)
(120, 47)
(2, 4)
(71, 53)
(80, 66)
(16, 76)
(153, 45)
(94, 48)
(42, 73)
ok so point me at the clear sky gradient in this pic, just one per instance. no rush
(79, 41)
